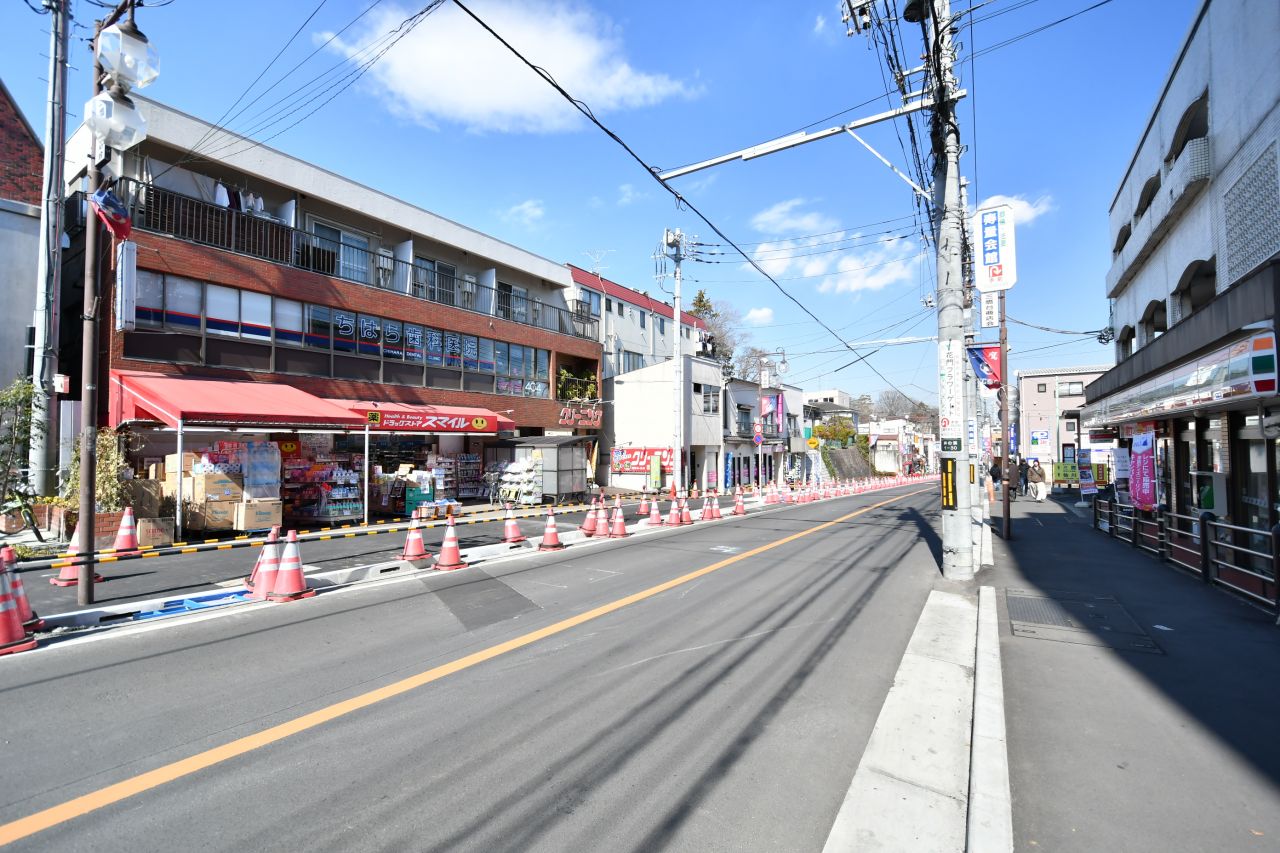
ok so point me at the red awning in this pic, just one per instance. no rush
(215, 402)
(420, 417)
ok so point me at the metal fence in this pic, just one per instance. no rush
(1243, 559)
(175, 215)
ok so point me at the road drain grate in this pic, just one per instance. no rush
(1076, 617)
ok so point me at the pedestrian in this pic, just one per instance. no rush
(1035, 477)
(1023, 467)
(995, 477)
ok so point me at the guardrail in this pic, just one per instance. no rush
(1245, 560)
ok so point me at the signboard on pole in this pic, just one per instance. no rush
(997, 263)
(985, 359)
(1084, 463)
(1142, 471)
(950, 391)
(990, 310)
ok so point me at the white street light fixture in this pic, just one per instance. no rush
(127, 57)
(114, 119)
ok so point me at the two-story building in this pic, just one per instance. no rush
(274, 295)
(1047, 414)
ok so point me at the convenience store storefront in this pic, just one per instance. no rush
(259, 441)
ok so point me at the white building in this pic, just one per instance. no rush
(1048, 413)
(833, 395)
(898, 446)
(20, 172)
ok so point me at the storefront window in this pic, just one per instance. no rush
(452, 349)
(544, 358)
(434, 344)
(222, 310)
(370, 342)
(414, 342)
(288, 321)
(500, 358)
(318, 327)
(470, 353)
(255, 315)
(182, 303)
(392, 340)
(150, 301)
(485, 356)
(517, 361)
(344, 331)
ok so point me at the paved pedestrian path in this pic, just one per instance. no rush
(1142, 706)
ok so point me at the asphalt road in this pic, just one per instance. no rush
(179, 574)
(709, 688)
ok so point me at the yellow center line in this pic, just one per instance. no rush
(71, 809)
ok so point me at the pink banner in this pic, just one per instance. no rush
(1142, 471)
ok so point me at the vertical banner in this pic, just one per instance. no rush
(1085, 463)
(950, 499)
(1142, 471)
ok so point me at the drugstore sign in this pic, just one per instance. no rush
(426, 422)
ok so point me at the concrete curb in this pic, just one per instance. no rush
(990, 803)
(911, 788)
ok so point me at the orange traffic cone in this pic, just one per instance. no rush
(588, 526)
(673, 517)
(738, 508)
(511, 533)
(715, 508)
(273, 536)
(414, 551)
(655, 516)
(686, 517)
(127, 537)
(618, 527)
(450, 557)
(602, 522)
(13, 637)
(550, 537)
(290, 584)
(69, 573)
(264, 572)
(644, 505)
(8, 560)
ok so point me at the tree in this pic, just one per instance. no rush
(836, 429)
(746, 365)
(723, 322)
(16, 404)
(701, 305)
(892, 403)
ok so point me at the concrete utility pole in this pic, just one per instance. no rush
(957, 552)
(44, 419)
(674, 240)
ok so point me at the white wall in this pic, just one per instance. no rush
(19, 253)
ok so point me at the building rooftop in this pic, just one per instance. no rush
(1064, 371)
(595, 281)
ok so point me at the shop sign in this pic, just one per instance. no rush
(1083, 463)
(1142, 471)
(637, 460)
(427, 422)
(1098, 436)
(587, 417)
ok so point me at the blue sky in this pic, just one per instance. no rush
(448, 121)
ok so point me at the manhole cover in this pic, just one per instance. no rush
(1076, 617)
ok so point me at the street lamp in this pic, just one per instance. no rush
(123, 59)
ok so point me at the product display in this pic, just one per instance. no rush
(325, 488)
(522, 481)
(470, 474)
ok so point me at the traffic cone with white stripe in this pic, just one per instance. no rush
(450, 557)
(264, 572)
(686, 517)
(618, 527)
(290, 583)
(8, 563)
(644, 505)
(550, 537)
(511, 533)
(673, 517)
(13, 637)
(69, 573)
(272, 537)
(602, 521)
(716, 515)
(127, 536)
(588, 526)
(655, 515)
(738, 508)
(415, 551)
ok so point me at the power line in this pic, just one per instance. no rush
(653, 173)
(1039, 29)
(802, 277)
(812, 236)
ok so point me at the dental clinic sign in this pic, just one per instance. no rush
(997, 261)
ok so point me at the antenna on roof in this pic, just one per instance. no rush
(596, 257)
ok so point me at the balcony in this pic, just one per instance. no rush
(261, 236)
(1188, 175)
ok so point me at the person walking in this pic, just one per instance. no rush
(995, 477)
(1023, 467)
(1035, 477)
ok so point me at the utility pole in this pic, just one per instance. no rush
(1007, 469)
(674, 240)
(41, 458)
(957, 550)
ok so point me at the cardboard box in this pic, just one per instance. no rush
(214, 515)
(257, 515)
(155, 470)
(171, 465)
(203, 488)
(170, 489)
(144, 497)
(153, 532)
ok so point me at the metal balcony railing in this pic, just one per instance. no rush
(172, 214)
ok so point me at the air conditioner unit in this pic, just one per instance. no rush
(386, 260)
(468, 286)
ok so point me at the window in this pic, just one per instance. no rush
(318, 327)
(642, 318)
(608, 306)
(1042, 387)
(593, 302)
(1071, 426)
(222, 310)
(414, 343)
(344, 331)
(369, 341)
(182, 303)
(485, 356)
(433, 346)
(622, 309)
(544, 365)
(150, 299)
(255, 316)
(288, 318)
(631, 361)
(452, 349)
(662, 325)
(352, 250)
(710, 399)
(392, 339)
(1070, 389)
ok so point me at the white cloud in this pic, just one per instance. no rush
(627, 194)
(448, 69)
(819, 25)
(784, 218)
(1024, 211)
(885, 264)
(701, 184)
(759, 316)
(527, 213)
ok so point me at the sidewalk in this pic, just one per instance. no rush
(1141, 705)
